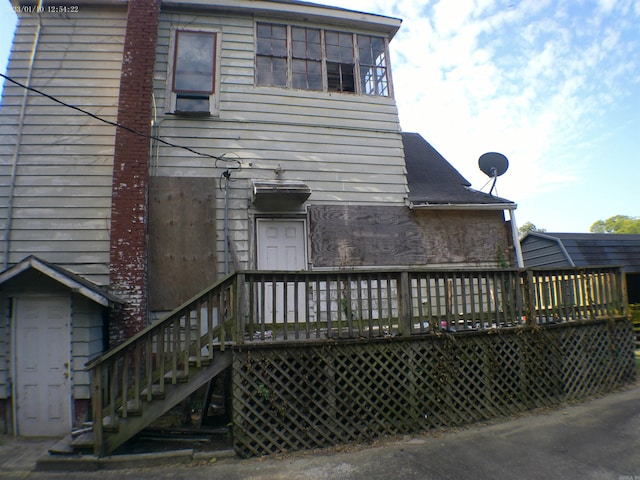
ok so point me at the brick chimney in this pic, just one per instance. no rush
(128, 248)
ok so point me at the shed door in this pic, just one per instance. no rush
(43, 395)
(282, 246)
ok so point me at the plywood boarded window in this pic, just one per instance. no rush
(182, 239)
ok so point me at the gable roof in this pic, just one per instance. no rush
(64, 277)
(433, 182)
(582, 249)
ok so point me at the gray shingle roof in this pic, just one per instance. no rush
(584, 249)
(433, 180)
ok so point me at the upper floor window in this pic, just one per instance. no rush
(323, 60)
(193, 72)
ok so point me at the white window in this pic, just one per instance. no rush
(193, 77)
(324, 60)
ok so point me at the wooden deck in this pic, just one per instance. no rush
(321, 311)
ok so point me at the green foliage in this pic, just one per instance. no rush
(529, 227)
(617, 224)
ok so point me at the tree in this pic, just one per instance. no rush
(529, 227)
(617, 224)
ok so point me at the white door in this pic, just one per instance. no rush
(282, 246)
(43, 344)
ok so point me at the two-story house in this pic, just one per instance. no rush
(148, 147)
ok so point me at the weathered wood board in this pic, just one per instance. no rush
(182, 239)
(347, 236)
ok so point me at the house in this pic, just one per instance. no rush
(550, 250)
(149, 147)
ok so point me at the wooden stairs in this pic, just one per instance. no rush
(142, 379)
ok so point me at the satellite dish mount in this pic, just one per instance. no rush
(493, 164)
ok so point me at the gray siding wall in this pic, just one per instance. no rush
(5, 348)
(62, 197)
(87, 342)
(541, 252)
(346, 147)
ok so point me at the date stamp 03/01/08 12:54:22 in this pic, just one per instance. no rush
(43, 9)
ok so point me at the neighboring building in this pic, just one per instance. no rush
(549, 250)
(275, 144)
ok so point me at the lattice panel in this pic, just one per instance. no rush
(293, 397)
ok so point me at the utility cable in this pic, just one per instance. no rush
(124, 127)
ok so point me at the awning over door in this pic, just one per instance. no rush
(279, 194)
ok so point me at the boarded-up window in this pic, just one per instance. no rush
(352, 235)
(182, 239)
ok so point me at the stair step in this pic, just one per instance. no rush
(181, 376)
(63, 447)
(156, 393)
(203, 361)
(83, 442)
(109, 424)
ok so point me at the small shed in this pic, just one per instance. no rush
(586, 249)
(54, 323)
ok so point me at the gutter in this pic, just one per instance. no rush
(461, 206)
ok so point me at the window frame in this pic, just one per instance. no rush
(326, 63)
(173, 95)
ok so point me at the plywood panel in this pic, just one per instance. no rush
(182, 239)
(347, 236)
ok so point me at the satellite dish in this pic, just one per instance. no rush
(493, 164)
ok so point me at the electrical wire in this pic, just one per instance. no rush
(124, 127)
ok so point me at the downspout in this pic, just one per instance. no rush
(16, 153)
(516, 239)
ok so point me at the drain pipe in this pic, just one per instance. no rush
(16, 153)
(227, 178)
(516, 239)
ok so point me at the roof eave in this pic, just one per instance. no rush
(34, 263)
(297, 10)
(461, 206)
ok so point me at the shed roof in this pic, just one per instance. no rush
(62, 276)
(433, 181)
(587, 249)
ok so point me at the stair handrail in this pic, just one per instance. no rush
(157, 324)
(121, 393)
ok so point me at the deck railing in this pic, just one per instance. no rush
(365, 304)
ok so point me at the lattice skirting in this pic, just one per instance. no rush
(302, 396)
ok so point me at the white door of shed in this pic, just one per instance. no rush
(42, 385)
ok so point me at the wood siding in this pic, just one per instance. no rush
(396, 236)
(62, 197)
(346, 147)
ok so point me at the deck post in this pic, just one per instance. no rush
(237, 334)
(529, 298)
(96, 407)
(404, 305)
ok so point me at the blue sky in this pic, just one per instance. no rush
(554, 85)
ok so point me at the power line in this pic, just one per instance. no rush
(124, 127)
